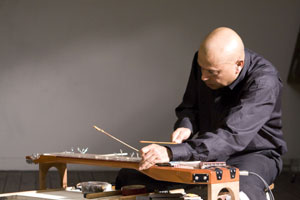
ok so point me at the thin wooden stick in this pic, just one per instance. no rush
(102, 194)
(98, 129)
(155, 142)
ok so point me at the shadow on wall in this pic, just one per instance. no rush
(294, 73)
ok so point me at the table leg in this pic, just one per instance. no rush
(62, 169)
(44, 168)
(232, 187)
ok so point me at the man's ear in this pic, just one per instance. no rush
(240, 65)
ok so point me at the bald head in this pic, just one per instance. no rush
(222, 45)
(221, 57)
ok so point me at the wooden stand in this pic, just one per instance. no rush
(62, 170)
(232, 187)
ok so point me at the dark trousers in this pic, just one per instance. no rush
(267, 167)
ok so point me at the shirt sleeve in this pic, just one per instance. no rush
(240, 126)
(186, 112)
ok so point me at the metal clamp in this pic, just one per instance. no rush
(219, 173)
(200, 178)
(232, 172)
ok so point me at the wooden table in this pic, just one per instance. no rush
(216, 178)
(43, 194)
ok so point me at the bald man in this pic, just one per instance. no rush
(230, 112)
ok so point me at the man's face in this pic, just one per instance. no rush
(218, 74)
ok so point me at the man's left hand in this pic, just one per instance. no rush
(153, 154)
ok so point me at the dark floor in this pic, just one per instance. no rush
(287, 186)
(13, 181)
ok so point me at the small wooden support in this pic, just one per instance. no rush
(44, 168)
(232, 187)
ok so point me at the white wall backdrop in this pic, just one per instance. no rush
(66, 65)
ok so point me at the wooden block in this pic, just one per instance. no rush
(232, 187)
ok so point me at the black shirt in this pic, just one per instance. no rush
(240, 118)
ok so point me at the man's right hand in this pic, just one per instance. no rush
(181, 134)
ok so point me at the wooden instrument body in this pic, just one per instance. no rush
(216, 178)
(164, 173)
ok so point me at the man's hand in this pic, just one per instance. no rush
(181, 134)
(153, 154)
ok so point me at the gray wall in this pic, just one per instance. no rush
(121, 65)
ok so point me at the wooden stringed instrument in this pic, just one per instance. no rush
(181, 172)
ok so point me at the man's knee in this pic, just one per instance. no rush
(123, 177)
(133, 177)
(253, 187)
